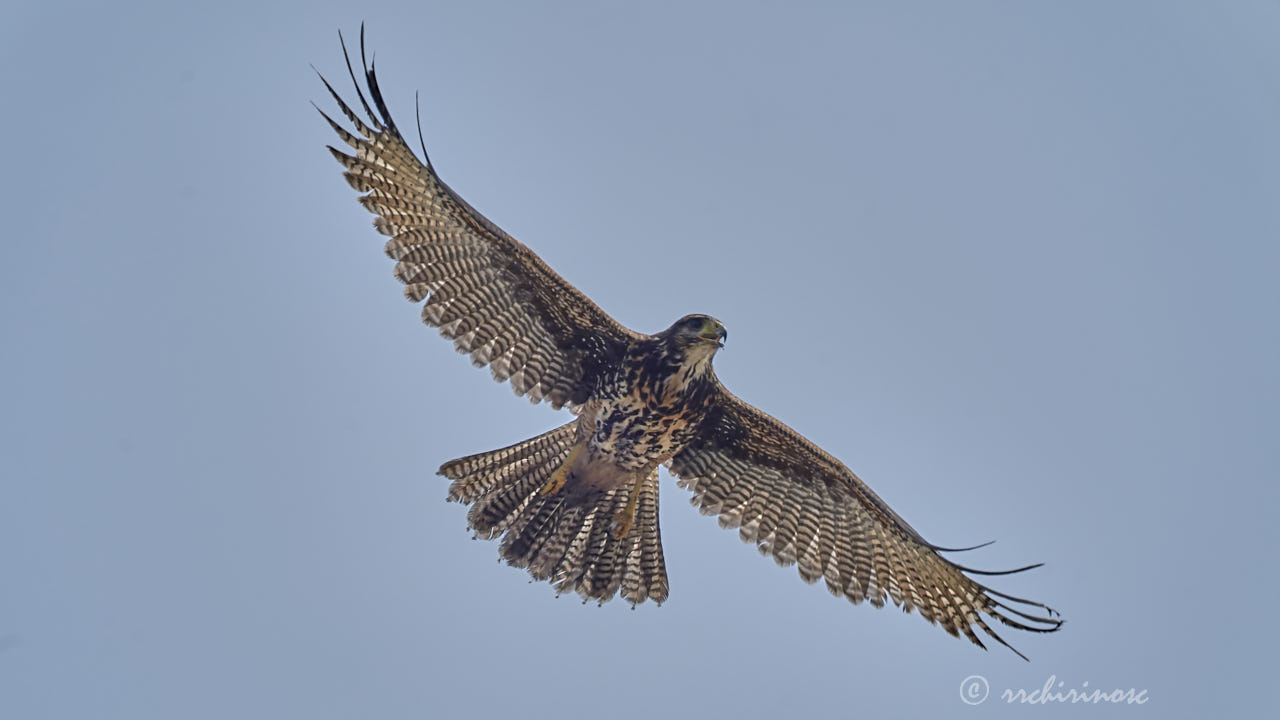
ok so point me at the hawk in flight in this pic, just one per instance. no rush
(578, 505)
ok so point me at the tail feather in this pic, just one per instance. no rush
(568, 571)
(494, 515)
(598, 578)
(634, 583)
(566, 537)
(482, 474)
(547, 555)
(653, 566)
(524, 543)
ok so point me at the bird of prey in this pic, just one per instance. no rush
(578, 505)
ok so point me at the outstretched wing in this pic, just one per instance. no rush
(802, 506)
(484, 290)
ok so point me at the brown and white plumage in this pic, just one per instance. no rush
(801, 506)
(484, 290)
(578, 505)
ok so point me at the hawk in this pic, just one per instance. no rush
(578, 505)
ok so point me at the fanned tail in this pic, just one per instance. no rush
(566, 536)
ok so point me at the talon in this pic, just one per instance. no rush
(625, 518)
(561, 474)
(556, 483)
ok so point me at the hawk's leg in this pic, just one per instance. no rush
(561, 474)
(623, 521)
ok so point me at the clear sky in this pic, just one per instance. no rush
(1015, 263)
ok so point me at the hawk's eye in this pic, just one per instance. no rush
(694, 323)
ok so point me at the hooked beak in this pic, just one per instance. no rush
(716, 336)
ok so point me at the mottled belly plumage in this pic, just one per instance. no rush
(651, 411)
(637, 437)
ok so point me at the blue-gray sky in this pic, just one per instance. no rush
(1015, 263)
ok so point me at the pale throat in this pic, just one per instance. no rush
(696, 364)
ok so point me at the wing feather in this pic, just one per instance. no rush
(490, 294)
(802, 506)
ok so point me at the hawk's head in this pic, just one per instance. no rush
(697, 333)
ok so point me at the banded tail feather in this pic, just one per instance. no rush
(568, 536)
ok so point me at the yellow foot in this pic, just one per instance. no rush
(556, 483)
(561, 474)
(625, 518)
